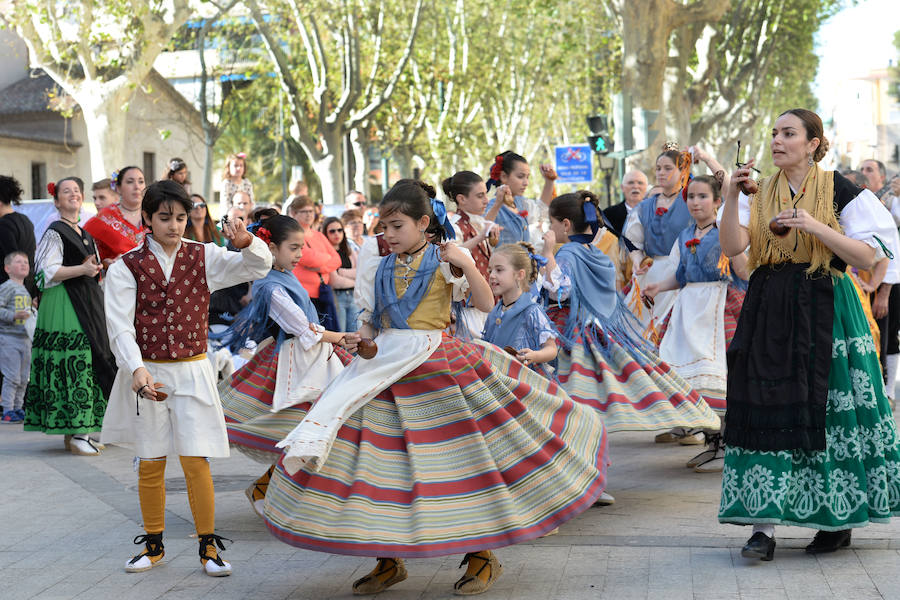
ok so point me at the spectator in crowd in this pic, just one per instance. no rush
(319, 258)
(234, 179)
(634, 188)
(343, 280)
(244, 201)
(118, 228)
(16, 230)
(178, 172)
(354, 228)
(200, 226)
(355, 201)
(103, 194)
(15, 360)
(298, 188)
(876, 176)
(855, 177)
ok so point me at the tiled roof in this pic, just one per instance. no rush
(27, 95)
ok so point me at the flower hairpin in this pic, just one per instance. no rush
(241, 155)
(113, 177)
(51, 187)
(264, 234)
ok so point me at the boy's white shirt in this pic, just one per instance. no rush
(223, 269)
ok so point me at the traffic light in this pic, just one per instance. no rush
(600, 141)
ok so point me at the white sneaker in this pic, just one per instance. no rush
(83, 446)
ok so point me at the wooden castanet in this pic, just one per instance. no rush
(367, 348)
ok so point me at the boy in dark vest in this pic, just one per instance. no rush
(164, 400)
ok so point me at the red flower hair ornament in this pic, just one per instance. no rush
(264, 234)
(51, 187)
(497, 168)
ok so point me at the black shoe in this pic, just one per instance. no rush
(829, 541)
(759, 546)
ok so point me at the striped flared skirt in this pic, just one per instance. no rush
(247, 401)
(469, 451)
(632, 388)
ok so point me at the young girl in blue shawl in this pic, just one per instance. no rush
(603, 361)
(433, 446)
(518, 322)
(270, 394)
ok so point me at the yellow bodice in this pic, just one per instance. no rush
(433, 312)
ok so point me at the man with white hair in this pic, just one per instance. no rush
(634, 187)
(876, 176)
(355, 201)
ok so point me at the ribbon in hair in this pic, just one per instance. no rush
(541, 261)
(440, 214)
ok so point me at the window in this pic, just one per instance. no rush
(149, 167)
(39, 180)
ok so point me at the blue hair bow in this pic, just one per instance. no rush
(590, 216)
(440, 214)
(537, 258)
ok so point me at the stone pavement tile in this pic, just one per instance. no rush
(763, 594)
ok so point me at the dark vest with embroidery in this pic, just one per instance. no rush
(171, 317)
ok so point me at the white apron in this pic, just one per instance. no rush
(694, 344)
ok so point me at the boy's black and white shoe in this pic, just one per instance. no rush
(150, 557)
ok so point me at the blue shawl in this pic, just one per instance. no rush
(515, 226)
(520, 326)
(701, 265)
(252, 322)
(593, 296)
(397, 309)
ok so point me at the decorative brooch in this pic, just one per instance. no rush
(692, 244)
(661, 211)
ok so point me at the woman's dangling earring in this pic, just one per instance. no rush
(810, 159)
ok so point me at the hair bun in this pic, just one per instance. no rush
(447, 187)
(822, 150)
(670, 146)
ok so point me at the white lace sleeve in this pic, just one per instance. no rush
(460, 284)
(866, 219)
(558, 279)
(366, 265)
(634, 230)
(48, 258)
(292, 319)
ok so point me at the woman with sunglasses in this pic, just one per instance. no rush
(200, 226)
(343, 281)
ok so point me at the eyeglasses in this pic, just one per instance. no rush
(199, 204)
(359, 204)
(335, 231)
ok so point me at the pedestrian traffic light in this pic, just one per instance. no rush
(600, 141)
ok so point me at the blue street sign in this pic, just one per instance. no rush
(574, 164)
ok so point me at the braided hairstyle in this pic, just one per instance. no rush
(412, 198)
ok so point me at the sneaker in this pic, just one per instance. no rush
(21, 414)
(10, 417)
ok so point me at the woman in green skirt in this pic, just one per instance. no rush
(72, 369)
(810, 437)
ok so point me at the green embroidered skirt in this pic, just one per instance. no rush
(856, 479)
(63, 396)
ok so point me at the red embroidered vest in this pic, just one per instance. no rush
(171, 319)
(481, 253)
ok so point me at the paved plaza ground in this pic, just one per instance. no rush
(67, 522)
